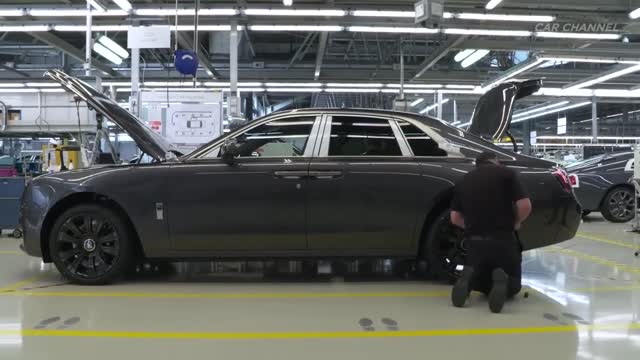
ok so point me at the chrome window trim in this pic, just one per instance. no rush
(442, 142)
(400, 138)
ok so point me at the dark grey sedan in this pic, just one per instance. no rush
(313, 183)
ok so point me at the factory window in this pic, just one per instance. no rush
(358, 136)
(278, 138)
(421, 144)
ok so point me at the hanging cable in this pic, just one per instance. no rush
(196, 43)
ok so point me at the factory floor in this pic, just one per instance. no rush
(583, 303)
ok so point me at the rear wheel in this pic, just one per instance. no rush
(443, 249)
(618, 205)
(91, 245)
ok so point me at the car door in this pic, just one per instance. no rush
(363, 188)
(258, 203)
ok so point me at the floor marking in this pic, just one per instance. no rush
(7, 252)
(595, 259)
(230, 295)
(314, 335)
(15, 286)
(607, 289)
(608, 241)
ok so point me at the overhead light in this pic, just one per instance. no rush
(329, 28)
(6, 12)
(463, 54)
(455, 86)
(52, 90)
(169, 83)
(25, 28)
(588, 60)
(302, 90)
(18, 90)
(635, 14)
(185, 12)
(124, 4)
(294, 12)
(113, 46)
(388, 29)
(35, 84)
(203, 28)
(417, 86)
(431, 107)
(492, 4)
(369, 85)
(603, 78)
(569, 107)
(417, 102)
(568, 35)
(504, 17)
(392, 14)
(287, 84)
(351, 90)
(96, 5)
(475, 57)
(107, 54)
(57, 12)
(539, 109)
(11, 85)
(218, 12)
(487, 32)
(287, 2)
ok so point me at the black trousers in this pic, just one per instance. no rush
(488, 252)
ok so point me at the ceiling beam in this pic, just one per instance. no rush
(13, 70)
(613, 70)
(65, 47)
(322, 47)
(186, 41)
(302, 50)
(438, 54)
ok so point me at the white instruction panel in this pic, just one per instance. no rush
(193, 124)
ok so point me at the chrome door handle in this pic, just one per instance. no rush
(329, 174)
(294, 174)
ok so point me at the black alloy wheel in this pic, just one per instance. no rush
(91, 245)
(618, 205)
(444, 249)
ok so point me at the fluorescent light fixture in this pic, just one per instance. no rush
(203, 27)
(463, 54)
(475, 57)
(417, 102)
(475, 91)
(116, 83)
(113, 46)
(569, 35)
(95, 28)
(52, 90)
(107, 54)
(294, 12)
(416, 86)
(123, 4)
(170, 83)
(218, 12)
(25, 28)
(328, 28)
(350, 90)
(388, 29)
(6, 12)
(504, 17)
(588, 60)
(49, 85)
(11, 85)
(301, 90)
(287, 2)
(431, 107)
(635, 14)
(539, 109)
(392, 14)
(455, 86)
(492, 4)
(227, 84)
(18, 90)
(287, 84)
(185, 12)
(600, 79)
(569, 107)
(616, 93)
(487, 32)
(369, 85)
(96, 5)
(57, 12)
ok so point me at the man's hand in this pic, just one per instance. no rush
(517, 226)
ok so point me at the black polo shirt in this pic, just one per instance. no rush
(486, 197)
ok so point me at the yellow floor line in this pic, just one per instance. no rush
(20, 284)
(609, 241)
(598, 260)
(313, 335)
(6, 252)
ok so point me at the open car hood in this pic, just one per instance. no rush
(149, 142)
(492, 116)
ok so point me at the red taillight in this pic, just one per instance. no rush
(573, 180)
(563, 178)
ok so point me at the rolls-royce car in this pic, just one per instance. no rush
(301, 184)
(602, 183)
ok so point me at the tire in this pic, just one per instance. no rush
(92, 245)
(618, 205)
(443, 249)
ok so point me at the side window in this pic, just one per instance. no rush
(421, 144)
(278, 138)
(362, 136)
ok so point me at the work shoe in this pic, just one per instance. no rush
(462, 288)
(498, 294)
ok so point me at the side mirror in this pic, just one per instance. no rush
(230, 151)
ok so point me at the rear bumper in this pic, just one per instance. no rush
(569, 220)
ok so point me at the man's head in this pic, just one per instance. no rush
(487, 158)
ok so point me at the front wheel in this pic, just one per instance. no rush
(443, 249)
(618, 205)
(91, 245)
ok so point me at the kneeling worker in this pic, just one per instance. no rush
(490, 204)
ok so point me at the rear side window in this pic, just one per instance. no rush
(421, 144)
(362, 136)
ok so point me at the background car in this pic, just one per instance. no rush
(602, 183)
(312, 183)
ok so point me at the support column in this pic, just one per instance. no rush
(440, 99)
(594, 119)
(88, 41)
(455, 111)
(526, 137)
(234, 103)
(134, 100)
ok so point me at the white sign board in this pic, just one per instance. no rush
(193, 124)
(562, 125)
(149, 37)
(534, 137)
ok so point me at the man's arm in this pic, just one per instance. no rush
(457, 219)
(523, 210)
